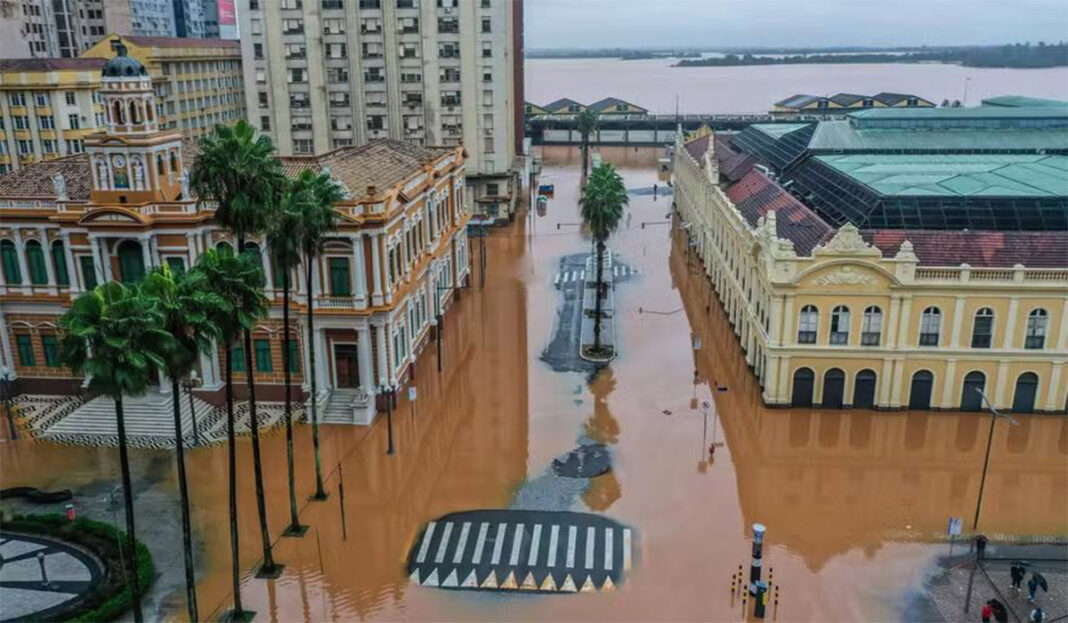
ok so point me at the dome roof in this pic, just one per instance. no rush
(122, 66)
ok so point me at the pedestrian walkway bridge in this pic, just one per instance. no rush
(536, 551)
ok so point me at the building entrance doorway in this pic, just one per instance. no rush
(346, 365)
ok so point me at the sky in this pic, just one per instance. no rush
(790, 23)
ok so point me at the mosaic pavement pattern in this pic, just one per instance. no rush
(41, 577)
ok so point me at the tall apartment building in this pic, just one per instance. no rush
(48, 105)
(66, 28)
(324, 74)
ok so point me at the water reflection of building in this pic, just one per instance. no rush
(825, 481)
(125, 207)
(884, 261)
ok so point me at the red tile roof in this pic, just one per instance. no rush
(34, 181)
(182, 42)
(754, 195)
(50, 64)
(1033, 249)
(733, 163)
(698, 146)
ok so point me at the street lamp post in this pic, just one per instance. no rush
(190, 383)
(439, 325)
(994, 415)
(389, 391)
(5, 390)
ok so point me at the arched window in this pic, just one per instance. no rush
(840, 320)
(1023, 399)
(864, 389)
(920, 391)
(802, 391)
(10, 258)
(971, 397)
(36, 261)
(930, 325)
(59, 261)
(117, 113)
(131, 262)
(135, 112)
(833, 389)
(1036, 329)
(149, 113)
(161, 166)
(808, 325)
(225, 249)
(983, 328)
(174, 161)
(871, 326)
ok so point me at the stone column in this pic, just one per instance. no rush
(145, 252)
(958, 315)
(321, 377)
(1010, 323)
(1000, 400)
(383, 363)
(49, 269)
(949, 383)
(892, 319)
(376, 270)
(268, 272)
(387, 280)
(887, 380)
(363, 347)
(24, 268)
(74, 273)
(771, 380)
(359, 272)
(1051, 395)
(903, 321)
(191, 248)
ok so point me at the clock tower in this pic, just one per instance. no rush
(134, 161)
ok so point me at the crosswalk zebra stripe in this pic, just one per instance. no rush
(445, 535)
(553, 535)
(557, 280)
(626, 549)
(498, 543)
(477, 557)
(535, 541)
(426, 542)
(572, 532)
(608, 549)
(517, 542)
(458, 557)
(591, 539)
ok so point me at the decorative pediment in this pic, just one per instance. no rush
(112, 215)
(847, 241)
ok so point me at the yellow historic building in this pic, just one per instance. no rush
(835, 316)
(396, 261)
(49, 105)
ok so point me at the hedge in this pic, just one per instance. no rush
(110, 598)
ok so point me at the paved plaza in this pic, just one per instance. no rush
(40, 577)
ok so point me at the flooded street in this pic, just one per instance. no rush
(855, 502)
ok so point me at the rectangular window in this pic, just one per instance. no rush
(263, 356)
(73, 122)
(50, 346)
(88, 271)
(237, 357)
(294, 356)
(25, 346)
(340, 281)
(176, 264)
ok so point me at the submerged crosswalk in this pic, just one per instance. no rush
(574, 276)
(521, 550)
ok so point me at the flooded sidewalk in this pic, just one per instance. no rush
(855, 502)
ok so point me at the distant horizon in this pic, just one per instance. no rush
(714, 48)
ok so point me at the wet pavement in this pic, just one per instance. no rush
(855, 502)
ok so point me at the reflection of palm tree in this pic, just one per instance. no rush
(603, 491)
(602, 427)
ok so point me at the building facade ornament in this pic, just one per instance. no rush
(59, 184)
(847, 241)
(845, 276)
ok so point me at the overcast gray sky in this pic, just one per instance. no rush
(646, 23)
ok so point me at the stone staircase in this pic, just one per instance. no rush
(338, 407)
(149, 421)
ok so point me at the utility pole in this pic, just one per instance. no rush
(994, 415)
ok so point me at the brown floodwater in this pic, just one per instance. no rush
(656, 85)
(854, 501)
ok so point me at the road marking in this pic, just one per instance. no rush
(426, 542)
(582, 275)
(608, 549)
(490, 581)
(459, 556)
(509, 582)
(615, 271)
(444, 543)
(414, 577)
(535, 541)
(477, 558)
(568, 585)
(626, 549)
(548, 584)
(471, 581)
(452, 580)
(591, 537)
(553, 534)
(587, 586)
(608, 585)
(572, 532)
(432, 579)
(517, 542)
(529, 584)
(498, 544)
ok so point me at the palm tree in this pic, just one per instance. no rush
(602, 202)
(319, 221)
(236, 169)
(238, 281)
(187, 307)
(115, 336)
(284, 242)
(586, 124)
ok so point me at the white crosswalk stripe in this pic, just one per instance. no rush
(426, 542)
(498, 543)
(458, 557)
(591, 539)
(517, 542)
(572, 532)
(535, 541)
(440, 557)
(608, 548)
(553, 536)
(476, 558)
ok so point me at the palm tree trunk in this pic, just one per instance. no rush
(294, 519)
(269, 566)
(585, 154)
(320, 493)
(597, 299)
(183, 491)
(235, 567)
(127, 497)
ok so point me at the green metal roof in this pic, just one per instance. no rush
(844, 136)
(987, 175)
(778, 130)
(1020, 101)
(977, 112)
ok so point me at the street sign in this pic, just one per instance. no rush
(412, 394)
(956, 524)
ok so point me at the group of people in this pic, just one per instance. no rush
(995, 610)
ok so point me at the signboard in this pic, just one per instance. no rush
(955, 526)
(227, 19)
